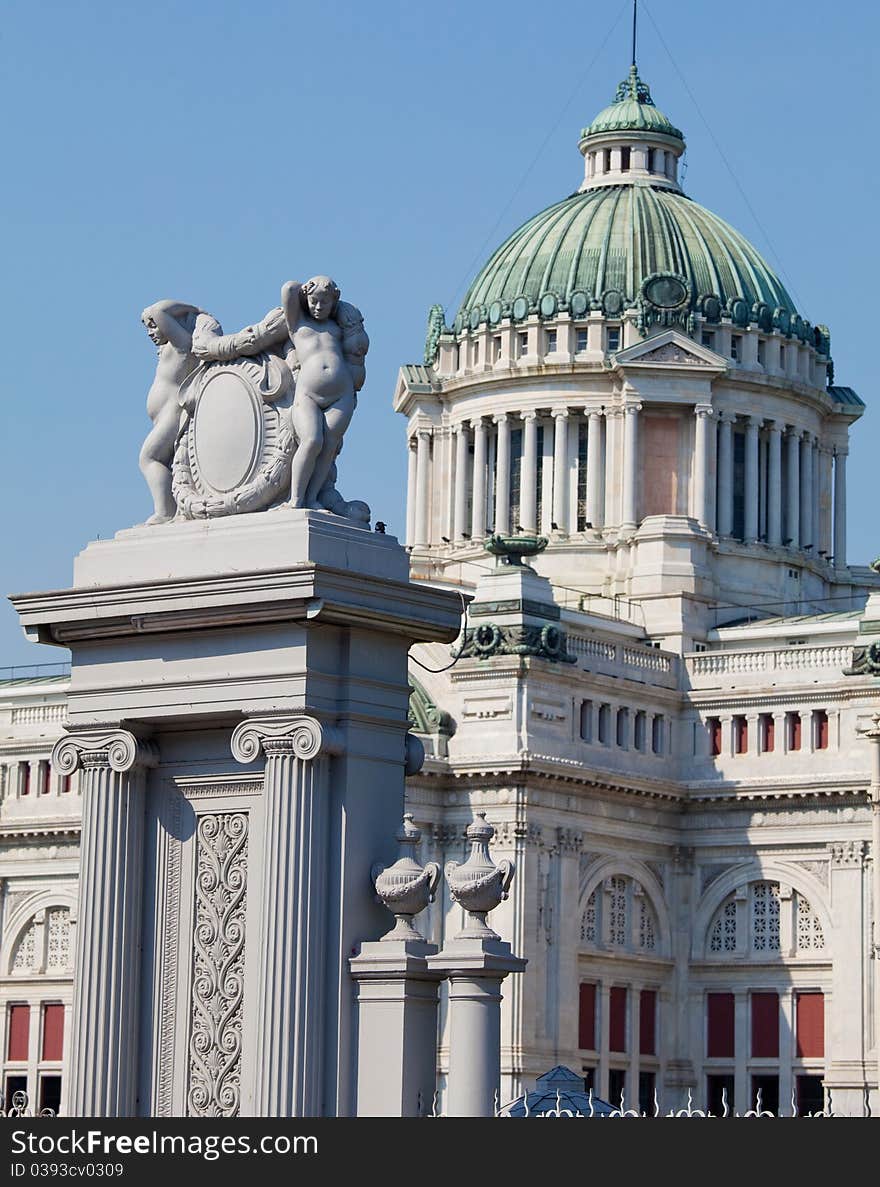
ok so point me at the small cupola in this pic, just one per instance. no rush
(631, 140)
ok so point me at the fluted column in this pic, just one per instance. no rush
(774, 484)
(630, 463)
(725, 474)
(459, 525)
(825, 508)
(751, 479)
(502, 474)
(703, 413)
(840, 455)
(423, 477)
(817, 498)
(560, 468)
(806, 468)
(411, 480)
(478, 502)
(528, 475)
(294, 849)
(793, 490)
(595, 495)
(106, 995)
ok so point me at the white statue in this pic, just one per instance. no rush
(170, 324)
(324, 343)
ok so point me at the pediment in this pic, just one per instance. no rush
(671, 349)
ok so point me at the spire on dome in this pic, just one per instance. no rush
(632, 87)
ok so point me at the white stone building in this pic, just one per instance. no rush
(658, 722)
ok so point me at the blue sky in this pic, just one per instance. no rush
(209, 151)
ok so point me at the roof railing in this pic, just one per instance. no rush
(34, 671)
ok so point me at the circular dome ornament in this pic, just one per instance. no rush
(782, 318)
(548, 305)
(764, 317)
(665, 290)
(520, 309)
(458, 324)
(711, 306)
(739, 312)
(612, 302)
(475, 317)
(495, 311)
(579, 303)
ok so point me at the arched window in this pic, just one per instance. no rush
(619, 915)
(43, 946)
(764, 919)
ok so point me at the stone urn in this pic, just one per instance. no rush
(478, 884)
(406, 888)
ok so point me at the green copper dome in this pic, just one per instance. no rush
(633, 110)
(596, 249)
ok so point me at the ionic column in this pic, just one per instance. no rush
(423, 472)
(290, 990)
(459, 526)
(825, 508)
(560, 468)
(595, 496)
(630, 463)
(700, 510)
(774, 484)
(106, 994)
(806, 468)
(528, 477)
(502, 474)
(840, 507)
(411, 480)
(751, 479)
(478, 502)
(817, 498)
(793, 492)
(725, 474)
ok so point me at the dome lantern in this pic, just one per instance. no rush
(631, 140)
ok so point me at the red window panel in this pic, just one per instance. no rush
(794, 731)
(765, 1025)
(810, 1024)
(53, 1031)
(617, 1019)
(647, 1022)
(44, 778)
(587, 1017)
(25, 778)
(820, 729)
(768, 733)
(720, 1025)
(65, 784)
(19, 1032)
(741, 735)
(714, 726)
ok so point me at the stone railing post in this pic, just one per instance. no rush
(106, 996)
(292, 911)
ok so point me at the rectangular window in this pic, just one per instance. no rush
(53, 1032)
(581, 340)
(767, 731)
(639, 730)
(765, 1025)
(515, 484)
(720, 1025)
(782, 358)
(65, 784)
(719, 1092)
(810, 1025)
(647, 1022)
(624, 159)
(551, 341)
(739, 485)
(476, 351)
(765, 1092)
(523, 339)
(25, 784)
(617, 1019)
(820, 729)
(810, 1095)
(587, 1017)
(44, 778)
(589, 1079)
(622, 727)
(713, 726)
(740, 735)
(613, 339)
(647, 1082)
(14, 1084)
(657, 727)
(793, 730)
(50, 1093)
(616, 1086)
(708, 339)
(761, 351)
(496, 349)
(736, 343)
(19, 1018)
(586, 721)
(604, 729)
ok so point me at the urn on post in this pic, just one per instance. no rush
(406, 888)
(478, 884)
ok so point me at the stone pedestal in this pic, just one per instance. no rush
(265, 658)
(475, 968)
(397, 1028)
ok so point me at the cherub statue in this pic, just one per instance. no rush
(170, 324)
(324, 342)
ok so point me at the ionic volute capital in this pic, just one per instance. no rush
(297, 737)
(118, 749)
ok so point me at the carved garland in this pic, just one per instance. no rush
(218, 966)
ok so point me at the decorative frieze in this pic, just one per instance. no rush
(218, 966)
(569, 840)
(847, 853)
(542, 642)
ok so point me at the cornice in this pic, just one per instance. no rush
(13, 830)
